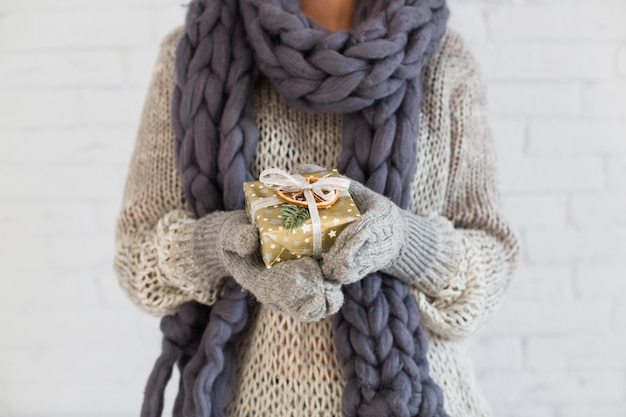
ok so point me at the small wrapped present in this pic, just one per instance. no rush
(298, 215)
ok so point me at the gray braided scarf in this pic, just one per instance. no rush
(372, 74)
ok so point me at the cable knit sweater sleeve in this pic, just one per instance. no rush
(487, 249)
(154, 231)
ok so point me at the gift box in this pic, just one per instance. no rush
(298, 215)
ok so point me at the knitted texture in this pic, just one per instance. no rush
(373, 75)
(181, 332)
(215, 146)
(285, 365)
(415, 264)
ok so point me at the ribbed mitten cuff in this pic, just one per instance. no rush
(431, 253)
(192, 256)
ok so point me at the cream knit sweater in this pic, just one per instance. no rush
(289, 368)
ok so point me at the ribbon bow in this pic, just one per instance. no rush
(325, 188)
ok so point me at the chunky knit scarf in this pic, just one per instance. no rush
(372, 75)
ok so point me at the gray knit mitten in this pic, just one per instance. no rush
(371, 243)
(297, 287)
(418, 250)
(222, 231)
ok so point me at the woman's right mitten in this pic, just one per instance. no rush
(296, 287)
(227, 242)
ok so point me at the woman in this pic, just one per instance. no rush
(380, 89)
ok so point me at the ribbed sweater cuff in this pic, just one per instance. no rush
(431, 254)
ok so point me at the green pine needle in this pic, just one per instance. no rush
(293, 216)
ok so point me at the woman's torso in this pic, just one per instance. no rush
(290, 368)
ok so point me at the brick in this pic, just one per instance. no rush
(576, 137)
(110, 293)
(576, 245)
(549, 318)
(534, 99)
(21, 254)
(607, 99)
(82, 251)
(102, 363)
(140, 64)
(22, 30)
(468, 20)
(599, 210)
(69, 327)
(522, 410)
(66, 183)
(69, 145)
(65, 4)
(621, 61)
(4, 405)
(543, 283)
(74, 399)
(616, 168)
(111, 107)
(552, 174)
(38, 108)
(149, 329)
(107, 217)
(602, 282)
(497, 353)
(509, 135)
(50, 288)
(619, 318)
(595, 410)
(168, 18)
(558, 388)
(34, 219)
(575, 353)
(546, 61)
(60, 69)
(541, 22)
(535, 211)
(13, 139)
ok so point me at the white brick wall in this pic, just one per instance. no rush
(556, 73)
(73, 77)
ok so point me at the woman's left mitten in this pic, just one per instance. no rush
(371, 243)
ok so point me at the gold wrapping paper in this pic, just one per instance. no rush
(279, 244)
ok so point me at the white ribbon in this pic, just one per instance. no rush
(325, 187)
(262, 203)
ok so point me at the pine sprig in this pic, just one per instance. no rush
(294, 216)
